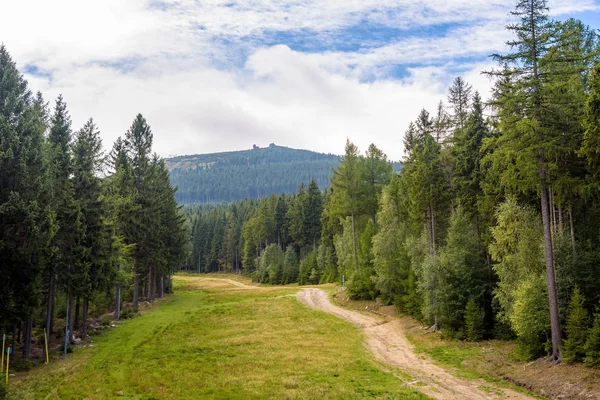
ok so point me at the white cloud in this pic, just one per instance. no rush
(115, 58)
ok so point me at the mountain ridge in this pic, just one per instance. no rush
(253, 173)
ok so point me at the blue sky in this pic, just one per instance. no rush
(217, 75)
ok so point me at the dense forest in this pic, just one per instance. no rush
(252, 174)
(490, 230)
(81, 232)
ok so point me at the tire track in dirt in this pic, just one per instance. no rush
(387, 342)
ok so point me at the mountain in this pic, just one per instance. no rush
(254, 173)
(231, 176)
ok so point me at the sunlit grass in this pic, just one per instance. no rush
(213, 340)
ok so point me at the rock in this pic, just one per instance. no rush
(119, 393)
(77, 340)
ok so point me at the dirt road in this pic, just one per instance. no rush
(386, 340)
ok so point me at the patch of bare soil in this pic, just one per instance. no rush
(385, 338)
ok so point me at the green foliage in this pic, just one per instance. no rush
(308, 268)
(576, 328)
(521, 290)
(592, 344)
(291, 266)
(460, 272)
(271, 265)
(474, 321)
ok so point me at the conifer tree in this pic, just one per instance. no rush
(576, 328)
(525, 66)
(459, 97)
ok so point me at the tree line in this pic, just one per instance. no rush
(78, 227)
(490, 229)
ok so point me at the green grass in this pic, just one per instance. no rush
(219, 342)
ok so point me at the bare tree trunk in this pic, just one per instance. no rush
(71, 319)
(77, 304)
(50, 309)
(118, 303)
(86, 303)
(354, 239)
(162, 286)
(552, 213)
(572, 228)
(136, 292)
(28, 334)
(549, 258)
(149, 294)
(433, 229)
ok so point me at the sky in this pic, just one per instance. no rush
(220, 75)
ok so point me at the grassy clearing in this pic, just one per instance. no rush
(220, 342)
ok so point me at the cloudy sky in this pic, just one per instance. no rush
(217, 75)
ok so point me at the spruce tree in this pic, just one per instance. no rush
(525, 67)
(592, 344)
(576, 328)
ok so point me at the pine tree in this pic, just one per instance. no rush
(474, 321)
(591, 141)
(93, 271)
(377, 172)
(138, 145)
(576, 328)
(346, 185)
(459, 97)
(592, 344)
(26, 222)
(527, 62)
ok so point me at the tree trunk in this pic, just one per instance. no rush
(50, 310)
(149, 295)
(27, 341)
(572, 228)
(118, 303)
(354, 239)
(71, 319)
(86, 303)
(136, 292)
(549, 258)
(162, 287)
(77, 306)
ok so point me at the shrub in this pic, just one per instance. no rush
(361, 286)
(127, 313)
(106, 320)
(576, 329)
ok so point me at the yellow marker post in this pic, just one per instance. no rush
(46, 342)
(7, 362)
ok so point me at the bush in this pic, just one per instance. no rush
(3, 391)
(576, 329)
(592, 345)
(474, 321)
(106, 320)
(22, 365)
(127, 313)
(361, 286)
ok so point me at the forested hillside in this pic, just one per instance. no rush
(81, 232)
(256, 173)
(490, 229)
